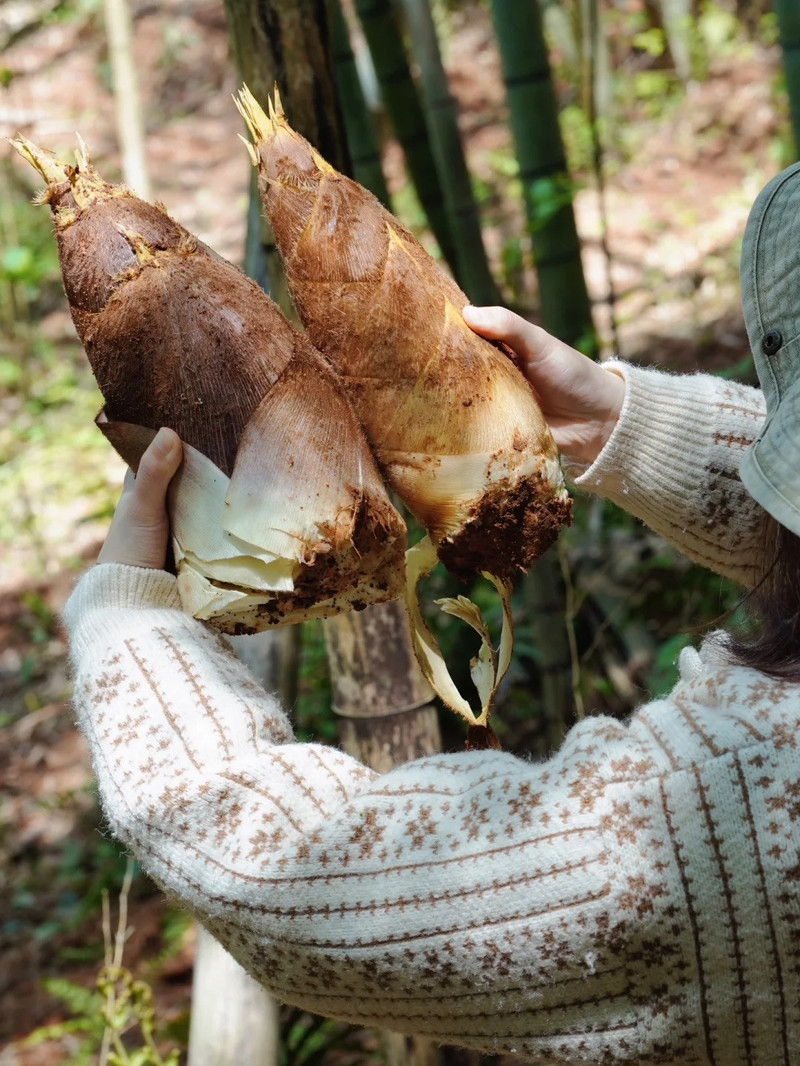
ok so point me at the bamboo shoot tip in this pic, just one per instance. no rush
(277, 104)
(51, 169)
(82, 154)
(250, 149)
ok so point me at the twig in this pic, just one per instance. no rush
(570, 611)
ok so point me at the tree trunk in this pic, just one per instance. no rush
(286, 42)
(386, 717)
(677, 18)
(130, 127)
(788, 12)
(386, 714)
(234, 1021)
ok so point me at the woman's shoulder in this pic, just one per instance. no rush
(719, 707)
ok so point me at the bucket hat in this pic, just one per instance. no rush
(770, 282)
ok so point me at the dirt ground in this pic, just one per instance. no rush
(675, 215)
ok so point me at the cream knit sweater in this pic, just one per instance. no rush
(632, 899)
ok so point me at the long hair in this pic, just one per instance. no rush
(769, 639)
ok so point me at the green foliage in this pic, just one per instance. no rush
(115, 1021)
(308, 1040)
(117, 1006)
(313, 715)
(548, 196)
(48, 397)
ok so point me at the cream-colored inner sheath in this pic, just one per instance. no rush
(488, 667)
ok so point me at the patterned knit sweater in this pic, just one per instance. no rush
(632, 899)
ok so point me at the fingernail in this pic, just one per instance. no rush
(164, 442)
(476, 315)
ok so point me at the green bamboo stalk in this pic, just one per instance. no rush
(565, 306)
(404, 108)
(788, 13)
(442, 114)
(595, 47)
(359, 127)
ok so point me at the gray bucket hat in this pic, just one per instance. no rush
(770, 277)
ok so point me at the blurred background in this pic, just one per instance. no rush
(590, 163)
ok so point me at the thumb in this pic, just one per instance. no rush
(139, 531)
(156, 469)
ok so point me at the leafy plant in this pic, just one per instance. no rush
(106, 1018)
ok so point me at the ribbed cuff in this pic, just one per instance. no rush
(114, 587)
(652, 453)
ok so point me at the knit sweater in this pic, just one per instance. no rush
(634, 898)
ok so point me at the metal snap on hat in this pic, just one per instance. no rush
(770, 276)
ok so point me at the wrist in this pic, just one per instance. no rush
(613, 398)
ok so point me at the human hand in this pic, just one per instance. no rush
(139, 530)
(579, 398)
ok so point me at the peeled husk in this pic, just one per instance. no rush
(455, 426)
(278, 511)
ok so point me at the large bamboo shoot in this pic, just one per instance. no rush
(278, 512)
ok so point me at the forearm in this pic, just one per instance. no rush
(673, 461)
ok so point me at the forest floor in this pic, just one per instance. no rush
(676, 206)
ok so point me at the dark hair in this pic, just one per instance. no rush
(769, 638)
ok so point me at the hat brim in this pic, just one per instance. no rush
(770, 468)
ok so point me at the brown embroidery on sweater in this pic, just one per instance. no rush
(368, 834)
(741, 440)
(422, 934)
(162, 702)
(190, 672)
(693, 922)
(295, 777)
(251, 786)
(623, 823)
(789, 801)
(646, 720)
(727, 892)
(683, 706)
(325, 767)
(762, 884)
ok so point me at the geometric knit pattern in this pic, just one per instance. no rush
(634, 898)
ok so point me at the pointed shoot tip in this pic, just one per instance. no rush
(42, 159)
(277, 102)
(258, 124)
(250, 149)
(82, 154)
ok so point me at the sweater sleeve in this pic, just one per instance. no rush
(477, 898)
(673, 461)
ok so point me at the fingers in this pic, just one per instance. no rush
(501, 324)
(157, 467)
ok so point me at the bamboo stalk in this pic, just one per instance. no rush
(287, 42)
(359, 128)
(404, 108)
(547, 190)
(788, 13)
(677, 21)
(442, 116)
(234, 1022)
(386, 717)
